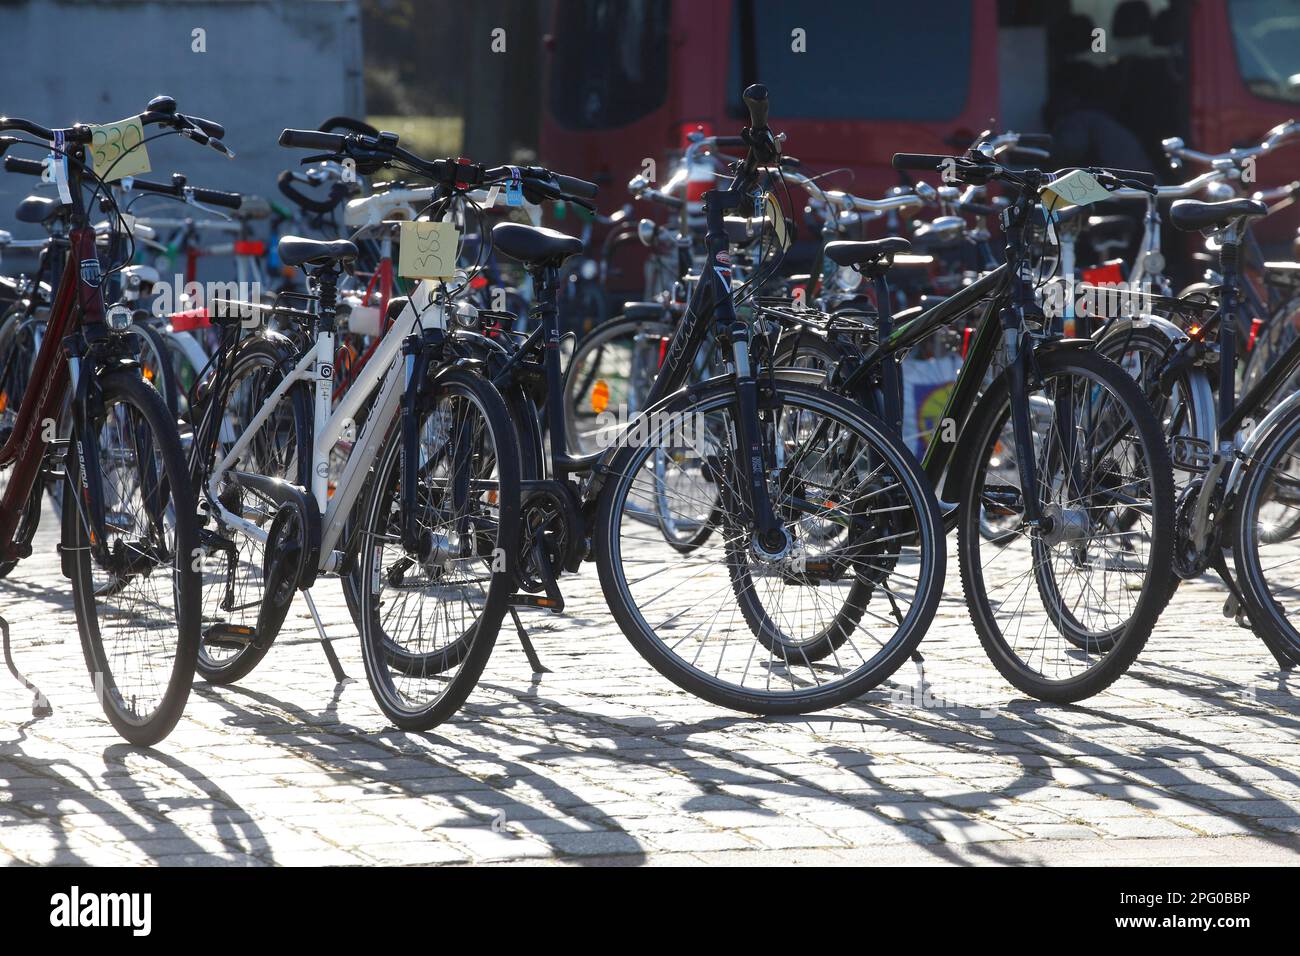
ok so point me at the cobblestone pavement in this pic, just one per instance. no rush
(1194, 756)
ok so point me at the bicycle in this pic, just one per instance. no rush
(1058, 419)
(425, 512)
(816, 564)
(128, 525)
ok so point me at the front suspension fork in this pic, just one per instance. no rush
(1018, 379)
(749, 441)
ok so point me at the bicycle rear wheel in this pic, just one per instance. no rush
(237, 635)
(611, 371)
(1064, 608)
(139, 614)
(835, 614)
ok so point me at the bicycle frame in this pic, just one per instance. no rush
(315, 367)
(77, 301)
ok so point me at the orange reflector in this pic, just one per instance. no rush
(4, 401)
(148, 374)
(599, 396)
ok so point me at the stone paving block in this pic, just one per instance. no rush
(603, 760)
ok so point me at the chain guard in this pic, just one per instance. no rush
(1188, 563)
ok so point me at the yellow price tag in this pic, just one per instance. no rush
(428, 250)
(117, 150)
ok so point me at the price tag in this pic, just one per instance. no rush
(428, 250)
(117, 150)
(492, 196)
(1079, 188)
(514, 188)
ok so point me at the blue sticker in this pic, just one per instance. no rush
(514, 193)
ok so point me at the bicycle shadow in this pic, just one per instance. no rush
(336, 743)
(60, 805)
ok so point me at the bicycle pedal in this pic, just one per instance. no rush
(1191, 454)
(554, 605)
(233, 637)
(1231, 609)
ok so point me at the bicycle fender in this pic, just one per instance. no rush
(1245, 457)
(1060, 344)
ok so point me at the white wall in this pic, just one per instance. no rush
(269, 64)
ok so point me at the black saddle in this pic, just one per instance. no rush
(865, 253)
(1191, 214)
(534, 246)
(38, 209)
(296, 251)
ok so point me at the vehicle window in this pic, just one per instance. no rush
(609, 66)
(873, 59)
(1266, 35)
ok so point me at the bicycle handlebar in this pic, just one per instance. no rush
(1176, 149)
(179, 190)
(381, 150)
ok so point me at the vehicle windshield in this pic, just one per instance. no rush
(609, 65)
(873, 59)
(1266, 35)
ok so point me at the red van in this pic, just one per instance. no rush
(854, 81)
(851, 83)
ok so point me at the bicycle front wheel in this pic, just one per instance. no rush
(825, 617)
(1265, 544)
(430, 613)
(138, 611)
(1064, 607)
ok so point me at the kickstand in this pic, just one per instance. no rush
(529, 651)
(1280, 654)
(335, 666)
(41, 706)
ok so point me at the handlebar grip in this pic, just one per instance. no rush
(312, 139)
(1035, 140)
(755, 97)
(28, 167)
(576, 187)
(145, 186)
(1148, 179)
(924, 162)
(211, 128)
(216, 197)
(666, 199)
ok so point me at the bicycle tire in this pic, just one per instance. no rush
(926, 530)
(468, 650)
(1264, 609)
(981, 431)
(128, 388)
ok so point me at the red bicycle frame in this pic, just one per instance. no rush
(78, 301)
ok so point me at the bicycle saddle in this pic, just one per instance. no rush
(863, 253)
(1191, 214)
(295, 251)
(37, 209)
(534, 246)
